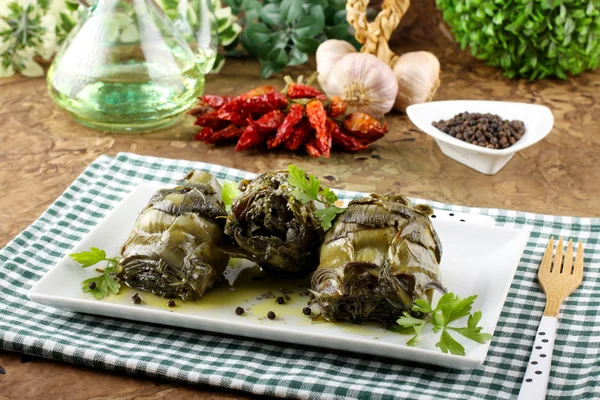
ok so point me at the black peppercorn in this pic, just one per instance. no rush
(239, 311)
(485, 130)
(280, 300)
(171, 303)
(92, 285)
(271, 315)
(136, 299)
(306, 311)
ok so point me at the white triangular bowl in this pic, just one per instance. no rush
(538, 122)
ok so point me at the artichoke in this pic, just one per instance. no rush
(381, 254)
(274, 229)
(176, 247)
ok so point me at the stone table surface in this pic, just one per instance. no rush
(42, 150)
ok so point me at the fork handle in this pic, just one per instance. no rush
(535, 382)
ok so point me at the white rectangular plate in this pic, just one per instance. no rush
(478, 258)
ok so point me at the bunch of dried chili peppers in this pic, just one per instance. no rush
(298, 117)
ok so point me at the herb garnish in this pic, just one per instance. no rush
(104, 283)
(229, 193)
(312, 190)
(450, 307)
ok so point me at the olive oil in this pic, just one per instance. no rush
(126, 98)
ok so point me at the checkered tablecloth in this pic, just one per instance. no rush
(282, 370)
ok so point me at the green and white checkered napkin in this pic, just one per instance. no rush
(284, 370)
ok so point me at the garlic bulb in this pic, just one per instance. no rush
(328, 55)
(365, 82)
(418, 75)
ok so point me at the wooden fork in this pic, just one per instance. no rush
(558, 280)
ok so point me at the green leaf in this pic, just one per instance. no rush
(89, 258)
(415, 339)
(278, 56)
(309, 26)
(447, 343)
(291, 10)
(327, 215)
(267, 69)
(258, 33)
(337, 32)
(297, 178)
(303, 196)
(306, 45)
(329, 195)
(270, 14)
(403, 330)
(422, 305)
(71, 6)
(297, 57)
(408, 320)
(460, 308)
(229, 193)
(105, 284)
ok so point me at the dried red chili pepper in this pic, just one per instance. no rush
(234, 113)
(318, 119)
(209, 119)
(286, 128)
(204, 133)
(250, 138)
(225, 135)
(257, 92)
(311, 148)
(364, 127)
(263, 103)
(346, 142)
(269, 122)
(216, 102)
(296, 91)
(301, 134)
(337, 107)
(325, 144)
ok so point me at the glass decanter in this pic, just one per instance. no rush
(197, 23)
(125, 68)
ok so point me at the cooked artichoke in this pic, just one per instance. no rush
(274, 229)
(381, 254)
(174, 249)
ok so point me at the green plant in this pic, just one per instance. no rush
(227, 27)
(31, 30)
(282, 33)
(529, 38)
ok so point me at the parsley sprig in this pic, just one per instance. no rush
(311, 190)
(449, 308)
(104, 283)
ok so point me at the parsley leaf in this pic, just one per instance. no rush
(89, 258)
(327, 215)
(229, 193)
(447, 343)
(449, 308)
(105, 283)
(311, 190)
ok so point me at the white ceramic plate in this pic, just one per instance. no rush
(538, 122)
(478, 258)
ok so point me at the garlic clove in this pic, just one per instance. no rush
(328, 54)
(365, 82)
(418, 75)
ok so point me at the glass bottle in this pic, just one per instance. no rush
(197, 23)
(125, 68)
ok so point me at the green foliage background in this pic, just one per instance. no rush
(528, 38)
(282, 33)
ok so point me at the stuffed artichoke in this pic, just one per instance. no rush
(274, 229)
(381, 254)
(175, 247)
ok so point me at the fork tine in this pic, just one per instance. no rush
(568, 259)
(547, 259)
(578, 270)
(558, 256)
